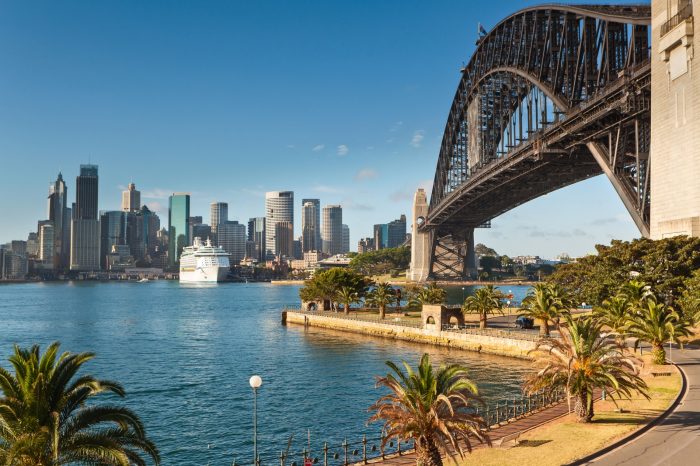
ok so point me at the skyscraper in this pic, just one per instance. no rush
(232, 238)
(279, 207)
(219, 215)
(345, 247)
(311, 225)
(131, 199)
(178, 226)
(113, 232)
(60, 217)
(256, 234)
(332, 229)
(284, 239)
(46, 246)
(396, 230)
(142, 233)
(317, 209)
(85, 226)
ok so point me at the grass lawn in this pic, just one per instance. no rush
(565, 440)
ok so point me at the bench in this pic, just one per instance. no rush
(510, 440)
(661, 374)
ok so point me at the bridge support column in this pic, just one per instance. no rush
(470, 269)
(421, 244)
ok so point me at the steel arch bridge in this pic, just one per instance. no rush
(553, 95)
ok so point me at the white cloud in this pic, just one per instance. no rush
(157, 193)
(156, 207)
(349, 204)
(318, 147)
(417, 138)
(365, 174)
(396, 126)
(343, 149)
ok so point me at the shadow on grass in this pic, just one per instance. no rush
(532, 443)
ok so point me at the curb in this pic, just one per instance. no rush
(642, 430)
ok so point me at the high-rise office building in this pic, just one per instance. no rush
(219, 215)
(142, 233)
(345, 247)
(232, 238)
(311, 225)
(33, 245)
(284, 239)
(316, 246)
(131, 199)
(332, 229)
(178, 226)
(60, 216)
(113, 232)
(85, 226)
(381, 236)
(279, 207)
(396, 232)
(256, 234)
(46, 246)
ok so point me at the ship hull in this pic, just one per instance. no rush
(212, 274)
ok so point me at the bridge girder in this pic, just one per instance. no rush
(553, 95)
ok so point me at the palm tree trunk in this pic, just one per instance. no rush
(427, 453)
(482, 320)
(347, 309)
(544, 328)
(658, 353)
(581, 408)
(382, 311)
(589, 415)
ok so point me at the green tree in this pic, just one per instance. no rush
(582, 361)
(435, 408)
(690, 299)
(381, 261)
(547, 303)
(326, 285)
(420, 295)
(657, 324)
(347, 296)
(615, 314)
(46, 418)
(381, 296)
(485, 300)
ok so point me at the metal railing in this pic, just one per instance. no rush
(389, 320)
(685, 11)
(514, 333)
(495, 414)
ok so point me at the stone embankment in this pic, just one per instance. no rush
(488, 341)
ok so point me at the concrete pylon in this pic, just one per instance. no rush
(420, 241)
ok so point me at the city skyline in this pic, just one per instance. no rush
(170, 128)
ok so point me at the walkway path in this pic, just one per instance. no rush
(676, 440)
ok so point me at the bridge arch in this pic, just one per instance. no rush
(552, 95)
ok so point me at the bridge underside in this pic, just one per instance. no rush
(551, 97)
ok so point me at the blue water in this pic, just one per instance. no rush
(185, 354)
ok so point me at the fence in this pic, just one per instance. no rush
(390, 320)
(473, 329)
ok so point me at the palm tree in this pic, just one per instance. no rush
(45, 418)
(431, 294)
(657, 323)
(636, 291)
(435, 408)
(347, 296)
(545, 302)
(381, 296)
(582, 361)
(484, 301)
(615, 314)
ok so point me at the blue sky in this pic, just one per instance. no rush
(345, 101)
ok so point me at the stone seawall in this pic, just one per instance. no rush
(467, 341)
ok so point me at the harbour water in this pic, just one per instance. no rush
(185, 354)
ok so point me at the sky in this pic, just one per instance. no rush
(345, 101)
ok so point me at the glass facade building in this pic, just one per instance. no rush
(178, 226)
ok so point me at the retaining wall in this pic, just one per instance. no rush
(472, 342)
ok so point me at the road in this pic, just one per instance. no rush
(676, 440)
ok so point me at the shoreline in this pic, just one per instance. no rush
(438, 282)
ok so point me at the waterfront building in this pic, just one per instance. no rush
(178, 226)
(396, 232)
(311, 224)
(60, 216)
(13, 266)
(46, 245)
(85, 225)
(675, 122)
(279, 207)
(232, 239)
(18, 247)
(345, 243)
(142, 234)
(365, 245)
(113, 232)
(32, 244)
(251, 253)
(257, 234)
(332, 229)
(131, 199)
(381, 236)
(284, 239)
(218, 215)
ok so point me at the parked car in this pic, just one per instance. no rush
(523, 322)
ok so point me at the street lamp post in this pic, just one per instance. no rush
(462, 294)
(255, 383)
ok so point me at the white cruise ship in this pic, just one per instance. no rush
(203, 263)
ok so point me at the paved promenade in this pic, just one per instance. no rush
(676, 440)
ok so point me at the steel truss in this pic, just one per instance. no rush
(553, 95)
